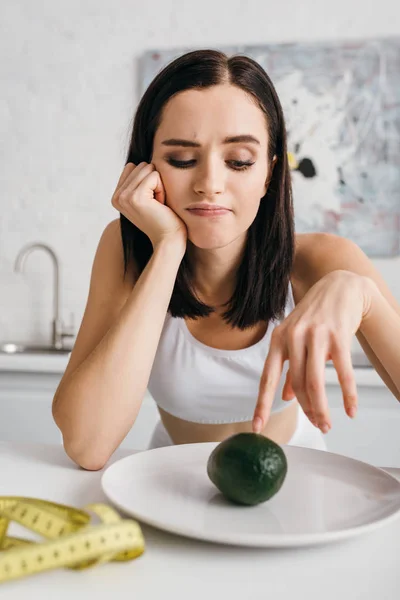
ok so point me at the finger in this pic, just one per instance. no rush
(341, 358)
(159, 191)
(125, 172)
(268, 384)
(151, 187)
(287, 392)
(135, 177)
(315, 378)
(297, 363)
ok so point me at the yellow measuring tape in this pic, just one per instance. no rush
(73, 541)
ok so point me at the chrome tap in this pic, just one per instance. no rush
(59, 331)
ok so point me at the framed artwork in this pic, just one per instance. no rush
(341, 103)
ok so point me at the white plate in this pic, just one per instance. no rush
(325, 497)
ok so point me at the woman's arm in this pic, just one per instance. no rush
(379, 336)
(101, 392)
(379, 332)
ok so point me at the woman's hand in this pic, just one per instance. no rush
(140, 197)
(320, 328)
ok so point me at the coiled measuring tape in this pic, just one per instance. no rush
(73, 541)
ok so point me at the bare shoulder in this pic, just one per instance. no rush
(317, 254)
(310, 249)
(110, 251)
(300, 276)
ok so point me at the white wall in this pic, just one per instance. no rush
(68, 93)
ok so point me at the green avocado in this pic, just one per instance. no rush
(247, 468)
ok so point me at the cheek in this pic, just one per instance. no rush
(248, 201)
(173, 186)
(248, 213)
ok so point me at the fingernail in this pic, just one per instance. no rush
(352, 412)
(257, 425)
(325, 428)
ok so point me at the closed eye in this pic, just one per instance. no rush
(236, 165)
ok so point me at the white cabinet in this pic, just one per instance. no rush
(374, 434)
(25, 411)
(25, 407)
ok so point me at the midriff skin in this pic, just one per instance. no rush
(214, 332)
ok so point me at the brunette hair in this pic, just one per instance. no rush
(263, 276)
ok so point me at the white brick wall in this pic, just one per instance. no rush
(68, 92)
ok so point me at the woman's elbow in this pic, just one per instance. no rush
(88, 460)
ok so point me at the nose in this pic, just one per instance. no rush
(210, 178)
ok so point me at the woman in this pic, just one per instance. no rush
(203, 293)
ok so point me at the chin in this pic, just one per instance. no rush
(209, 242)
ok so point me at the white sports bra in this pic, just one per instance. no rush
(202, 384)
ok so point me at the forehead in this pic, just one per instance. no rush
(215, 112)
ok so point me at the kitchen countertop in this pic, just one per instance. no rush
(34, 363)
(57, 363)
(364, 567)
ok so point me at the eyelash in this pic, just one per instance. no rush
(180, 164)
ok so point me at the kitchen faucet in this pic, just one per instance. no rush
(59, 332)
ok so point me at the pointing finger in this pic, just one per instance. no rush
(268, 384)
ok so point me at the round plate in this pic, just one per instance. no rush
(325, 497)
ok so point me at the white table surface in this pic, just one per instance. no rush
(173, 568)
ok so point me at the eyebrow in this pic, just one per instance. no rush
(233, 139)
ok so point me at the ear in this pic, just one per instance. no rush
(270, 174)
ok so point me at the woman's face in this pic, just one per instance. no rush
(199, 167)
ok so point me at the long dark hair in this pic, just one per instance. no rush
(263, 276)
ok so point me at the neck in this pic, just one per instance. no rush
(215, 271)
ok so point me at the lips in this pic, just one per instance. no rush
(207, 212)
(208, 209)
